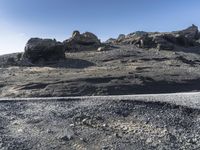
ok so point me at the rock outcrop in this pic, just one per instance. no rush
(191, 33)
(110, 41)
(81, 42)
(121, 37)
(43, 50)
(161, 41)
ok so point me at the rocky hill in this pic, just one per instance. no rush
(140, 62)
(161, 41)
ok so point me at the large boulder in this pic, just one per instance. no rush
(82, 42)
(44, 50)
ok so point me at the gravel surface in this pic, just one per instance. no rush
(140, 122)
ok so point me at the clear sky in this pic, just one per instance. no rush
(23, 19)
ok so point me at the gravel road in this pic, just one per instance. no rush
(188, 99)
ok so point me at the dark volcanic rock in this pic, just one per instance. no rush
(185, 42)
(191, 33)
(38, 50)
(146, 42)
(11, 60)
(110, 41)
(162, 41)
(82, 42)
(121, 37)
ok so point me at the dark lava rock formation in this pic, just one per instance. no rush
(81, 42)
(161, 41)
(42, 50)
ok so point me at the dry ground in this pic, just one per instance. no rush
(97, 124)
(122, 70)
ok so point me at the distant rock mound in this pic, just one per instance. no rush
(110, 41)
(161, 41)
(43, 50)
(190, 33)
(82, 42)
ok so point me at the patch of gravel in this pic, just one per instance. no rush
(98, 124)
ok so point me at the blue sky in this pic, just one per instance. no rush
(23, 19)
